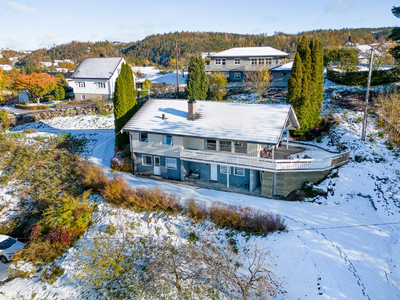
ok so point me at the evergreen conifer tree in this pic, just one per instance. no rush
(305, 86)
(197, 81)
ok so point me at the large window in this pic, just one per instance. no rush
(171, 163)
(143, 137)
(237, 61)
(238, 171)
(211, 144)
(225, 146)
(147, 160)
(81, 84)
(225, 169)
(240, 147)
(167, 140)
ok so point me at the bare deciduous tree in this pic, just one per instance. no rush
(389, 104)
(258, 81)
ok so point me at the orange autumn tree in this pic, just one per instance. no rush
(38, 84)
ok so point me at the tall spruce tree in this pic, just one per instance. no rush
(317, 77)
(197, 81)
(125, 104)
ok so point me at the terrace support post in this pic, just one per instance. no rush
(287, 138)
(273, 153)
(227, 176)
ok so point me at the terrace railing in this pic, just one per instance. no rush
(265, 163)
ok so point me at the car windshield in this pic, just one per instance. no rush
(7, 243)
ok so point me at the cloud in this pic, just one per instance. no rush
(337, 6)
(18, 7)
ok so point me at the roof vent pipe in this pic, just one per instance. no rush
(192, 111)
(163, 116)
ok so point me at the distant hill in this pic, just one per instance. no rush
(159, 49)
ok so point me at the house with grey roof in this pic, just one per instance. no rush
(236, 62)
(95, 77)
(234, 144)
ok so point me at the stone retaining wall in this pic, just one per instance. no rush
(60, 112)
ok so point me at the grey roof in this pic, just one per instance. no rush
(283, 68)
(97, 68)
(257, 123)
(250, 52)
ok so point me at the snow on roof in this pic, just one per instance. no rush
(97, 67)
(146, 70)
(258, 123)
(283, 68)
(250, 51)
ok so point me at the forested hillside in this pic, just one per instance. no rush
(159, 49)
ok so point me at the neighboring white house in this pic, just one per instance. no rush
(95, 77)
(231, 143)
(46, 64)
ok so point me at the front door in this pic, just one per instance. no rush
(157, 169)
(214, 172)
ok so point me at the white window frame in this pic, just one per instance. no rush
(217, 61)
(237, 61)
(144, 163)
(253, 61)
(261, 61)
(81, 84)
(171, 163)
(224, 169)
(237, 75)
(83, 97)
(235, 171)
(164, 140)
(268, 61)
(101, 85)
(223, 61)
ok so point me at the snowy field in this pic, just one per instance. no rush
(345, 246)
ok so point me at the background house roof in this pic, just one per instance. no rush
(258, 123)
(249, 52)
(283, 68)
(97, 68)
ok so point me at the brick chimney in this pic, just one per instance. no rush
(192, 112)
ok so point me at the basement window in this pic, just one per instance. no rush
(147, 160)
(171, 163)
(238, 171)
(225, 169)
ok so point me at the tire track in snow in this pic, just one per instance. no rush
(342, 254)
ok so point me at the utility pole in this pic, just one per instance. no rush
(364, 128)
(177, 70)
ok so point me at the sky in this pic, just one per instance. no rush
(30, 25)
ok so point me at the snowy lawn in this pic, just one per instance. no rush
(343, 247)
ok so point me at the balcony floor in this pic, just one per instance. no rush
(283, 153)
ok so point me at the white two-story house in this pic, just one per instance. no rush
(95, 77)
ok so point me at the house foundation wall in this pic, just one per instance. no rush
(92, 97)
(283, 183)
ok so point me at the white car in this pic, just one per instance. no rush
(8, 246)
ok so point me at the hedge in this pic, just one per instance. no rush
(361, 77)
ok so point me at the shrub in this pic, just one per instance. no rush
(115, 191)
(3, 116)
(245, 219)
(308, 187)
(31, 107)
(90, 176)
(29, 130)
(51, 274)
(7, 145)
(195, 211)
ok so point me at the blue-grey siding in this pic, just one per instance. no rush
(139, 168)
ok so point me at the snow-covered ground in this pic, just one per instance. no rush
(345, 246)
